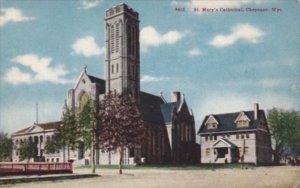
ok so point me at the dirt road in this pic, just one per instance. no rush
(278, 177)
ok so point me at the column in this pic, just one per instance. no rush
(229, 155)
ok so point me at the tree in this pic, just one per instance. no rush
(121, 124)
(285, 129)
(53, 145)
(66, 136)
(6, 147)
(87, 122)
(28, 150)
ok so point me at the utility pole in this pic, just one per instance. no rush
(37, 112)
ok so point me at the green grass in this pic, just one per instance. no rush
(175, 167)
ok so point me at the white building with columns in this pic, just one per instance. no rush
(39, 133)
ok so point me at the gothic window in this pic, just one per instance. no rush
(112, 69)
(117, 68)
(117, 37)
(206, 138)
(237, 136)
(112, 39)
(83, 100)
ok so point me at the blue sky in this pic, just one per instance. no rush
(221, 61)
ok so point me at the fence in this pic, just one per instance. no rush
(34, 168)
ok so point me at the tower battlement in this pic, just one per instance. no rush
(119, 9)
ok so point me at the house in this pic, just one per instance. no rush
(233, 137)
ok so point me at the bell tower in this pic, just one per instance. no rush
(122, 58)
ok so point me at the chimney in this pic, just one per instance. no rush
(256, 109)
(176, 96)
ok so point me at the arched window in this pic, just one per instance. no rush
(117, 68)
(112, 69)
(83, 100)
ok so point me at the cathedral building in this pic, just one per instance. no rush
(170, 126)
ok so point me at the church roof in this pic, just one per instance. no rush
(100, 83)
(167, 110)
(150, 108)
(227, 122)
(96, 79)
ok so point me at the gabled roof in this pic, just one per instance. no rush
(150, 108)
(96, 80)
(167, 110)
(156, 110)
(226, 122)
(43, 126)
(226, 142)
(100, 83)
(242, 116)
(211, 119)
(49, 125)
(22, 130)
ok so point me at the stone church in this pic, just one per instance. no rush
(170, 125)
(170, 135)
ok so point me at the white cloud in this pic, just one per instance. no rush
(195, 52)
(12, 15)
(87, 46)
(40, 71)
(151, 38)
(88, 4)
(211, 4)
(148, 78)
(15, 76)
(244, 32)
